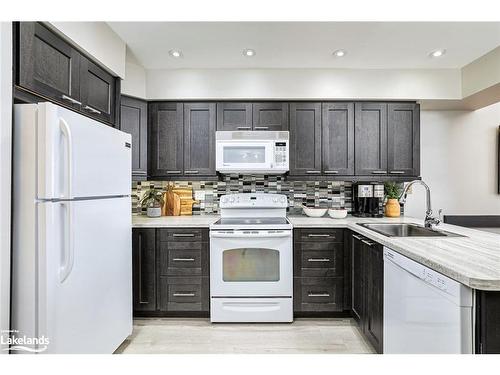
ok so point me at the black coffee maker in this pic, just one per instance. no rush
(367, 200)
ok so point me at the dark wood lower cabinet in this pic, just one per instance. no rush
(368, 288)
(170, 274)
(144, 269)
(487, 322)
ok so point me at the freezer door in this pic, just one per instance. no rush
(85, 275)
(79, 157)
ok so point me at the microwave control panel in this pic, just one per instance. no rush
(281, 154)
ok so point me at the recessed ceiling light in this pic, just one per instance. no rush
(437, 53)
(248, 52)
(339, 53)
(175, 53)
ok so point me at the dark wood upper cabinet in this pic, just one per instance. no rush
(305, 139)
(97, 91)
(271, 116)
(166, 139)
(403, 139)
(338, 139)
(371, 139)
(134, 120)
(144, 269)
(199, 139)
(48, 65)
(234, 116)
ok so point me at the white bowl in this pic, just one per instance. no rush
(314, 212)
(336, 213)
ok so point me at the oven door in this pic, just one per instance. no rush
(256, 263)
(238, 156)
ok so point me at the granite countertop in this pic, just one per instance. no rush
(473, 260)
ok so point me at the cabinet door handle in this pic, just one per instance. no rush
(313, 172)
(397, 172)
(318, 260)
(93, 110)
(183, 259)
(140, 271)
(184, 294)
(174, 172)
(318, 235)
(368, 243)
(191, 172)
(71, 100)
(358, 237)
(261, 127)
(318, 294)
(244, 128)
(379, 172)
(331, 172)
(183, 235)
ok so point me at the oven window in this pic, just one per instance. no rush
(251, 264)
(244, 154)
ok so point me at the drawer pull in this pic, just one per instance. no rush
(368, 243)
(184, 294)
(93, 110)
(261, 127)
(318, 294)
(379, 172)
(183, 259)
(318, 260)
(174, 172)
(70, 99)
(357, 237)
(191, 172)
(318, 235)
(244, 128)
(397, 172)
(313, 172)
(183, 235)
(331, 172)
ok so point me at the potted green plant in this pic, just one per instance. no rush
(152, 200)
(392, 193)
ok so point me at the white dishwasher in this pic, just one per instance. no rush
(425, 312)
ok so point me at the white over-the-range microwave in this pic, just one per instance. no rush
(246, 152)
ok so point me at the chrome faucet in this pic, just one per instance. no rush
(429, 220)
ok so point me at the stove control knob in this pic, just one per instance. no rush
(283, 199)
(275, 199)
(224, 199)
(231, 199)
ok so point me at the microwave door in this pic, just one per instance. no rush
(244, 156)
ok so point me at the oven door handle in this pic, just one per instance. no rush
(252, 234)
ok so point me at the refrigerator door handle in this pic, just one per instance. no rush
(69, 147)
(68, 249)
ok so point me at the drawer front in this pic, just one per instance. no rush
(317, 294)
(184, 234)
(184, 294)
(319, 234)
(184, 259)
(322, 263)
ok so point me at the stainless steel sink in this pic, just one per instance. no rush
(406, 230)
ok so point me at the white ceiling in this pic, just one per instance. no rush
(377, 45)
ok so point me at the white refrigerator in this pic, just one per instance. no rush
(72, 249)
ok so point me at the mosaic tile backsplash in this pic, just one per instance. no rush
(310, 193)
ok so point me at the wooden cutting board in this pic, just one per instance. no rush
(186, 199)
(172, 202)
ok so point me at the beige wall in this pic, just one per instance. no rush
(303, 84)
(135, 82)
(459, 162)
(5, 168)
(481, 73)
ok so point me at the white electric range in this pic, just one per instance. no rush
(251, 260)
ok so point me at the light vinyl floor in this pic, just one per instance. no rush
(199, 336)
